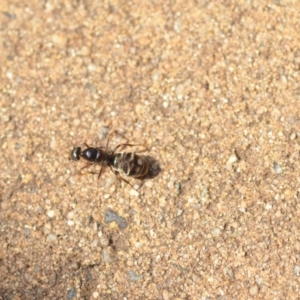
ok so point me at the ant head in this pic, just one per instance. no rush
(75, 153)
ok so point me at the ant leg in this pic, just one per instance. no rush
(106, 144)
(122, 145)
(126, 181)
(100, 172)
(116, 132)
(86, 166)
(126, 144)
(144, 148)
(129, 145)
(119, 177)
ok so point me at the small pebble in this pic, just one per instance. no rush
(133, 192)
(112, 216)
(232, 159)
(268, 206)
(50, 213)
(253, 290)
(216, 232)
(51, 238)
(296, 271)
(106, 257)
(277, 168)
(27, 231)
(70, 223)
(165, 295)
(134, 277)
(293, 136)
(71, 293)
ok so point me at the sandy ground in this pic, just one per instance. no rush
(211, 88)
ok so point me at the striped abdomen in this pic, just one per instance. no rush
(130, 164)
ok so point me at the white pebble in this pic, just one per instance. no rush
(268, 206)
(51, 238)
(133, 192)
(70, 223)
(50, 213)
(232, 159)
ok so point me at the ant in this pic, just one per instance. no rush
(126, 163)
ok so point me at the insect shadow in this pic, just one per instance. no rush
(154, 167)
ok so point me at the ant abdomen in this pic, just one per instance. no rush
(130, 164)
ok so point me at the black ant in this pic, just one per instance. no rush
(121, 163)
